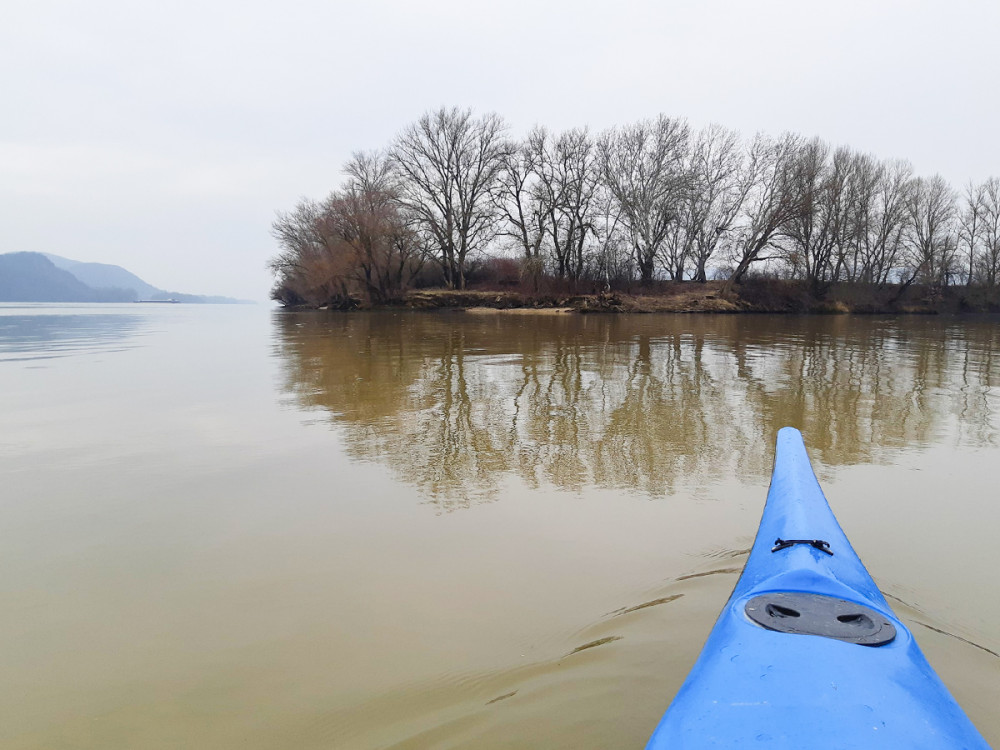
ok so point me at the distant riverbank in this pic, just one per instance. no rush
(757, 296)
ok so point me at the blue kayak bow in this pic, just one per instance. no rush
(806, 652)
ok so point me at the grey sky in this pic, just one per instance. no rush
(162, 137)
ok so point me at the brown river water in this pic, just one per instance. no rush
(237, 527)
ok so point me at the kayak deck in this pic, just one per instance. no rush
(807, 652)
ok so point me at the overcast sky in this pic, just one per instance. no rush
(163, 136)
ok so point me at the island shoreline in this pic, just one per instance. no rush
(769, 296)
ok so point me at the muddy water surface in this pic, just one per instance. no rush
(232, 527)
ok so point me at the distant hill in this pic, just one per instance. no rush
(102, 275)
(31, 277)
(42, 277)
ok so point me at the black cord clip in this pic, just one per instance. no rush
(819, 544)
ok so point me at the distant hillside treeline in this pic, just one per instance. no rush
(39, 277)
(31, 277)
(456, 199)
(105, 276)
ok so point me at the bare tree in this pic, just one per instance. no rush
(448, 164)
(990, 232)
(383, 252)
(568, 188)
(822, 235)
(614, 263)
(521, 199)
(970, 226)
(841, 196)
(860, 179)
(811, 230)
(880, 219)
(718, 188)
(372, 172)
(353, 246)
(771, 203)
(306, 268)
(929, 241)
(643, 166)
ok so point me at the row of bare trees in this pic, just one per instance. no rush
(650, 200)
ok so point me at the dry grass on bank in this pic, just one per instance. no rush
(753, 296)
(679, 299)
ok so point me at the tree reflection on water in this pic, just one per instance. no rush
(455, 403)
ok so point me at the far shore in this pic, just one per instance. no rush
(758, 296)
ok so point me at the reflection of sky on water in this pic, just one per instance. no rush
(27, 335)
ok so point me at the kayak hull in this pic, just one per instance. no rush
(759, 687)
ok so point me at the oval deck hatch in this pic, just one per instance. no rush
(826, 616)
